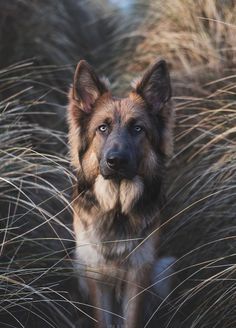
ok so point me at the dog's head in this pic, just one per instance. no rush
(120, 138)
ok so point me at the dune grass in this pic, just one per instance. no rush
(200, 207)
(35, 220)
(191, 35)
(197, 39)
(37, 281)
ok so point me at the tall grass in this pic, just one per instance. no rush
(40, 43)
(195, 37)
(200, 210)
(198, 227)
(35, 219)
(191, 35)
(37, 283)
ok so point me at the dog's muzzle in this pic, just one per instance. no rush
(117, 165)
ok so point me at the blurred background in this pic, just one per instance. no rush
(40, 45)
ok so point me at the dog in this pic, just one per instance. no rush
(118, 148)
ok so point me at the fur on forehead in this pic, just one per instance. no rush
(108, 103)
(108, 107)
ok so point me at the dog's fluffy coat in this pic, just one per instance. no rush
(113, 216)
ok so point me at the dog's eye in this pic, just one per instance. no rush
(137, 128)
(103, 128)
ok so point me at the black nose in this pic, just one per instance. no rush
(115, 161)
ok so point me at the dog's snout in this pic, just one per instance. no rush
(113, 161)
(116, 161)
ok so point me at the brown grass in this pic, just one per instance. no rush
(192, 35)
(198, 40)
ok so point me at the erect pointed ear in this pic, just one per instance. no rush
(155, 86)
(85, 91)
(155, 89)
(87, 87)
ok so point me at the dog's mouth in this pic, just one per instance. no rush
(118, 176)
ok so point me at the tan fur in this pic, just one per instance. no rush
(130, 192)
(90, 164)
(74, 141)
(133, 304)
(107, 193)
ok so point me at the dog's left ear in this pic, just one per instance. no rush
(155, 86)
(155, 89)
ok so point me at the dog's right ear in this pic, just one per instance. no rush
(155, 87)
(87, 87)
(85, 91)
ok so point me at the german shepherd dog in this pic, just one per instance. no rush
(118, 148)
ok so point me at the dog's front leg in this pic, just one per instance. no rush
(101, 296)
(133, 307)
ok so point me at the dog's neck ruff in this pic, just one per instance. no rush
(112, 194)
(116, 217)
